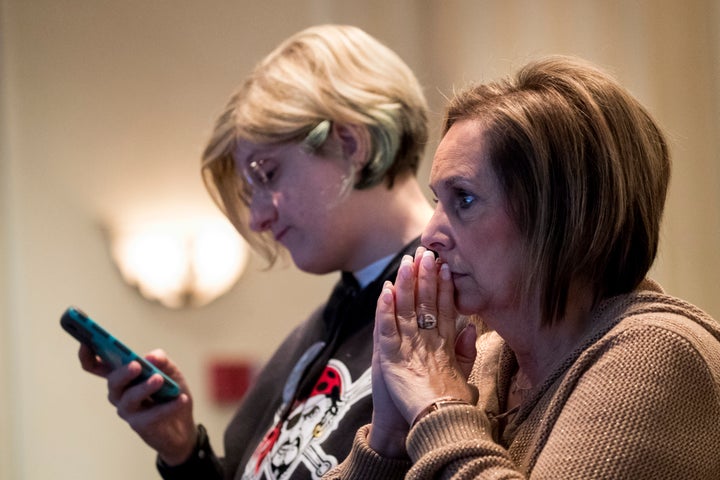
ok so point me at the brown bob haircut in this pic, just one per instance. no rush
(585, 170)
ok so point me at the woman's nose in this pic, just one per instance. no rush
(263, 211)
(436, 236)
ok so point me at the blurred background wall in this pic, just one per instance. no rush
(105, 106)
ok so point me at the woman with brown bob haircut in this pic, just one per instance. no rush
(550, 189)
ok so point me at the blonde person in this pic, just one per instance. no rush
(316, 154)
(550, 189)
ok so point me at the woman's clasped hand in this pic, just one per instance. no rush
(414, 366)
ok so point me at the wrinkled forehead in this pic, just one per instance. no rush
(462, 153)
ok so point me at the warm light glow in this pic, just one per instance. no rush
(181, 263)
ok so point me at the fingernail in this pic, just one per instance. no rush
(428, 260)
(445, 271)
(406, 269)
(387, 296)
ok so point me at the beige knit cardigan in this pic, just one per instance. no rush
(639, 399)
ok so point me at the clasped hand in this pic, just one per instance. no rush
(414, 367)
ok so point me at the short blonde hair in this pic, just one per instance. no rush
(585, 170)
(332, 73)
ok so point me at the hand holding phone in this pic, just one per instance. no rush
(113, 352)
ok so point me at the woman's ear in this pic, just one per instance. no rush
(354, 141)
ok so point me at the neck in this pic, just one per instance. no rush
(399, 216)
(540, 348)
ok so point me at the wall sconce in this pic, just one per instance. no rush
(181, 263)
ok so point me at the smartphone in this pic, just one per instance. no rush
(113, 352)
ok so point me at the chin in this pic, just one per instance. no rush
(465, 311)
(312, 265)
(308, 267)
(465, 305)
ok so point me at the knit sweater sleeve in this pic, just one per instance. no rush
(440, 446)
(645, 406)
(457, 442)
(364, 463)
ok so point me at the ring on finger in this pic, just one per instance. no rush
(427, 321)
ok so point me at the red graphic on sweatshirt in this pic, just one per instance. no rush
(297, 438)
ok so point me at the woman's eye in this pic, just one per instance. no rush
(465, 200)
(262, 172)
(268, 175)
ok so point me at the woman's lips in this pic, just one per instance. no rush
(457, 276)
(280, 234)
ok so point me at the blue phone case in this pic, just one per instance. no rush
(113, 352)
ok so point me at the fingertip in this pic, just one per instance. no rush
(156, 356)
(85, 354)
(406, 270)
(428, 261)
(134, 368)
(445, 272)
(386, 295)
(155, 383)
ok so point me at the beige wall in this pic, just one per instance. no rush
(6, 462)
(105, 106)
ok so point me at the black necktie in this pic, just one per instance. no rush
(338, 310)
